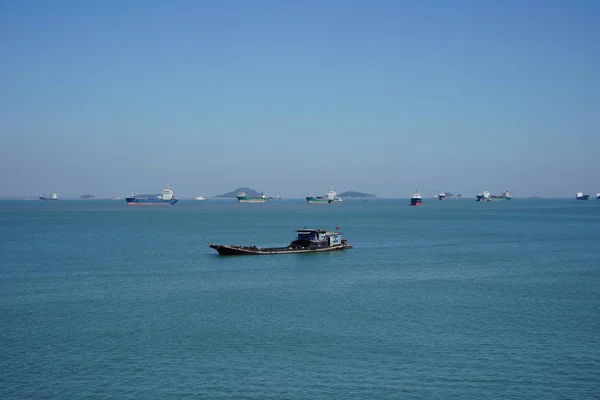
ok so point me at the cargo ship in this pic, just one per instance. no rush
(53, 196)
(242, 197)
(330, 197)
(485, 196)
(416, 199)
(581, 196)
(503, 196)
(164, 198)
(307, 241)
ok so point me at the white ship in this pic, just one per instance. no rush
(485, 196)
(53, 196)
(581, 196)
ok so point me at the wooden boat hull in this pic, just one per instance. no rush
(232, 250)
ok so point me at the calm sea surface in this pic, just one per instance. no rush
(455, 299)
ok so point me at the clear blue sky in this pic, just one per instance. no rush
(292, 97)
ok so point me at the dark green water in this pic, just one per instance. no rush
(455, 299)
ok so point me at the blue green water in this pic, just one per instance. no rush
(455, 299)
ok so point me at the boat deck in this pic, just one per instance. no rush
(254, 250)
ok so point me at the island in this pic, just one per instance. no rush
(352, 194)
(233, 194)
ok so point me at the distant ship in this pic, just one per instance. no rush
(503, 196)
(441, 196)
(115, 198)
(330, 197)
(53, 196)
(581, 196)
(598, 196)
(244, 198)
(485, 196)
(416, 199)
(165, 198)
(199, 198)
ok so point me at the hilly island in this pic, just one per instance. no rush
(352, 193)
(233, 193)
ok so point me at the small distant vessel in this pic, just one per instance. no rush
(330, 197)
(416, 199)
(164, 198)
(307, 241)
(115, 198)
(485, 196)
(504, 196)
(53, 196)
(199, 198)
(581, 196)
(441, 196)
(598, 196)
(244, 198)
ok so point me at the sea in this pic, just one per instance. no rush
(452, 300)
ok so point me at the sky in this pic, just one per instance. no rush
(295, 97)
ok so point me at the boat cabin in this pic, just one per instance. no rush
(317, 238)
(166, 194)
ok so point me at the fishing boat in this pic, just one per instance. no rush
(330, 197)
(164, 198)
(581, 196)
(484, 196)
(416, 199)
(53, 196)
(307, 241)
(504, 196)
(242, 197)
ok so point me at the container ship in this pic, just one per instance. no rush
(164, 198)
(244, 198)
